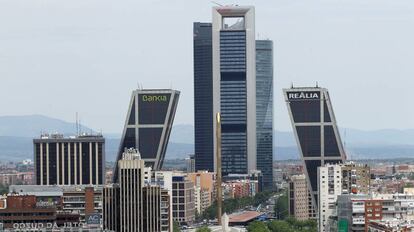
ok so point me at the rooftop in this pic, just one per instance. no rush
(244, 216)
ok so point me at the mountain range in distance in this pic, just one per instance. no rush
(17, 132)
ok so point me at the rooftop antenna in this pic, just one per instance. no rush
(77, 125)
(218, 4)
(317, 85)
(291, 85)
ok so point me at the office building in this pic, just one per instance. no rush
(203, 97)
(330, 187)
(75, 160)
(190, 164)
(148, 125)
(316, 132)
(234, 86)
(84, 200)
(357, 211)
(111, 210)
(166, 212)
(335, 180)
(142, 206)
(228, 69)
(183, 200)
(264, 110)
(300, 202)
(25, 213)
(204, 188)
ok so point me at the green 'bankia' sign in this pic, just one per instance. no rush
(154, 98)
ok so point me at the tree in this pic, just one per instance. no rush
(279, 226)
(3, 189)
(257, 226)
(203, 229)
(281, 207)
(176, 227)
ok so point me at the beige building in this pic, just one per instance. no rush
(300, 202)
(355, 178)
(183, 199)
(142, 206)
(204, 188)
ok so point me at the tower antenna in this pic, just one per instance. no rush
(77, 125)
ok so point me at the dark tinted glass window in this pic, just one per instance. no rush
(85, 164)
(310, 140)
(129, 141)
(326, 114)
(52, 164)
(331, 146)
(131, 120)
(312, 168)
(149, 139)
(306, 111)
(152, 108)
(38, 170)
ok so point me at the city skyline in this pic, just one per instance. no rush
(71, 49)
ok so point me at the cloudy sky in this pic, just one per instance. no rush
(58, 57)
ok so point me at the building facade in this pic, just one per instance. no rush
(141, 205)
(69, 161)
(264, 110)
(148, 125)
(204, 188)
(234, 86)
(84, 200)
(190, 164)
(329, 187)
(183, 200)
(203, 97)
(25, 213)
(316, 132)
(111, 210)
(300, 201)
(357, 211)
(339, 179)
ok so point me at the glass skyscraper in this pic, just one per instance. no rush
(316, 132)
(264, 110)
(227, 68)
(203, 98)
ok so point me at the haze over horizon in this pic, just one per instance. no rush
(62, 57)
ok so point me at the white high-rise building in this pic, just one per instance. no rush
(234, 86)
(330, 187)
(335, 180)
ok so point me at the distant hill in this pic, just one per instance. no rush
(33, 125)
(17, 132)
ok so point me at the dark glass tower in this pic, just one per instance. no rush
(316, 132)
(203, 98)
(148, 125)
(264, 110)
